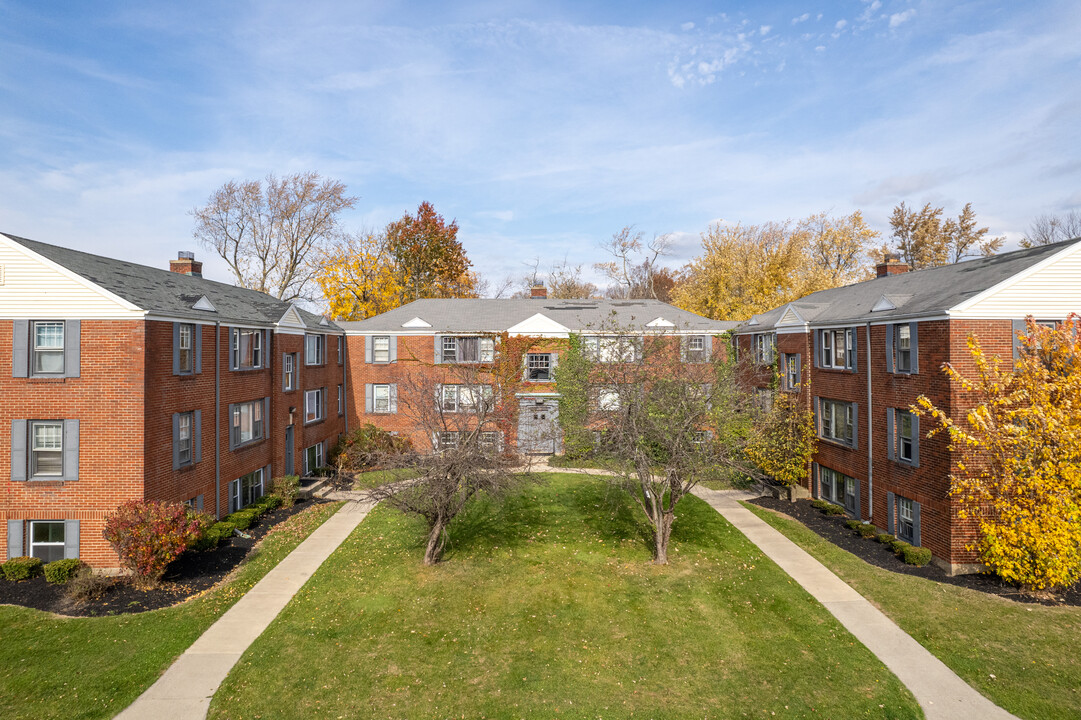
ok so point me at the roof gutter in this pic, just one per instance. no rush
(870, 433)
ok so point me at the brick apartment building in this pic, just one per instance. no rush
(860, 355)
(121, 382)
(445, 337)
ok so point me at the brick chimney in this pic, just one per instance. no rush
(891, 265)
(538, 292)
(186, 264)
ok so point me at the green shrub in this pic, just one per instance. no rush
(59, 572)
(364, 449)
(867, 530)
(242, 519)
(853, 524)
(916, 555)
(149, 534)
(899, 546)
(226, 528)
(885, 538)
(22, 568)
(286, 488)
(820, 505)
(832, 509)
(213, 536)
(270, 502)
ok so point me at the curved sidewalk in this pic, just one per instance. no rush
(185, 690)
(939, 691)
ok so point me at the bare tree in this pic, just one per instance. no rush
(631, 277)
(924, 239)
(272, 236)
(1047, 229)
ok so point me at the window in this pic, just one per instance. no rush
(837, 488)
(313, 458)
(245, 490)
(792, 371)
(763, 397)
(538, 367)
(341, 400)
(764, 345)
(467, 349)
(902, 354)
(700, 438)
(381, 349)
(185, 359)
(608, 399)
(381, 398)
(837, 421)
(48, 347)
(247, 349)
(246, 424)
(904, 436)
(490, 440)
(183, 439)
(903, 345)
(315, 349)
(466, 398)
(610, 349)
(906, 524)
(47, 540)
(314, 401)
(289, 372)
(447, 440)
(695, 349)
(837, 349)
(46, 449)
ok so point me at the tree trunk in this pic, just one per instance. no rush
(437, 540)
(662, 532)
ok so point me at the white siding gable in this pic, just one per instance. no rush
(35, 287)
(1050, 289)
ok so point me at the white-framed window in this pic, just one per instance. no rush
(47, 539)
(763, 397)
(315, 349)
(906, 524)
(341, 400)
(381, 349)
(447, 439)
(837, 488)
(46, 449)
(696, 348)
(313, 458)
(764, 346)
(245, 490)
(538, 367)
(247, 349)
(906, 436)
(837, 349)
(610, 348)
(837, 421)
(466, 398)
(186, 348)
(289, 372)
(608, 399)
(902, 348)
(792, 370)
(48, 347)
(184, 438)
(468, 349)
(381, 398)
(314, 409)
(490, 440)
(246, 423)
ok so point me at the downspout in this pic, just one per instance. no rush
(345, 380)
(870, 435)
(217, 419)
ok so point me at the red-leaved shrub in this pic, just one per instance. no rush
(148, 535)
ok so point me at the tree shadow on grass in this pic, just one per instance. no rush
(609, 511)
(486, 522)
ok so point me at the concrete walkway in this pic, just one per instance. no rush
(185, 690)
(939, 691)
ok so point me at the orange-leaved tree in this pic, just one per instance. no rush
(1019, 469)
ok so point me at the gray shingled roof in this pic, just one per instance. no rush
(915, 294)
(168, 293)
(493, 316)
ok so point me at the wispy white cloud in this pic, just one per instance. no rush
(687, 26)
(898, 19)
(802, 18)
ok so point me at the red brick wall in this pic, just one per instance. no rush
(107, 399)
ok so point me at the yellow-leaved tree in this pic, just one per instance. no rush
(1019, 469)
(357, 277)
(783, 439)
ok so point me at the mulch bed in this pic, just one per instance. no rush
(188, 575)
(833, 528)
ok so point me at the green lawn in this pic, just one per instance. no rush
(547, 606)
(70, 668)
(1023, 656)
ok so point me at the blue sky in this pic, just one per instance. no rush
(541, 127)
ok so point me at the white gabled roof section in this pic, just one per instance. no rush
(539, 325)
(1048, 289)
(291, 318)
(35, 286)
(890, 302)
(323, 320)
(416, 323)
(204, 303)
(659, 323)
(791, 316)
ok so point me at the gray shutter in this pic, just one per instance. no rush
(369, 398)
(816, 487)
(891, 450)
(176, 441)
(859, 498)
(197, 331)
(71, 539)
(18, 450)
(1017, 326)
(915, 344)
(72, 343)
(439, 348)
(264, 361)
(683, 341)
(856, 432)
(916, 523)
(553, 361)
(284, 356)
(176, 356)
(199, 502)
(889, 348)
(816, 408)
(816, 340)
(197, 437)
(20, 349)
(915, 441)
(266, 416)
(229, 348)
(890, 515)
(799, 370)
(393, 344)
(71, 449)
(233, 439)
(266, 480)
(394, 398)
(15, 538)
(854, 353)
(369, 343)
